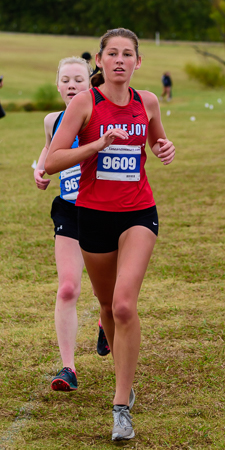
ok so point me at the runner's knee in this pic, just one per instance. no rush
(122, 312)
(68, 291)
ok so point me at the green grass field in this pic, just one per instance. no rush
(179, 382)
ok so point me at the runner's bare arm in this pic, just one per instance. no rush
(158, 142)
(76, 117)
(39, 172)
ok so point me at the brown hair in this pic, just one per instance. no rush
(98, 78)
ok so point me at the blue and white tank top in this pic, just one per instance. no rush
(69, 178)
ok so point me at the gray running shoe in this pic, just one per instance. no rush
(131, 399)
(122, 424)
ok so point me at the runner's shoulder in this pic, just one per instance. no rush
(148, 97)
(49, 121)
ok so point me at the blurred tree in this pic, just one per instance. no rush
(218, 16)
(180, 19)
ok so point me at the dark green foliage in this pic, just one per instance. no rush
(46, 97)
(210, 75)
(180, 19)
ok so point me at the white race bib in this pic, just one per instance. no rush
(119, 163)
(70, 182)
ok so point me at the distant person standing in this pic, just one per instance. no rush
(167, 85)
(2, 112)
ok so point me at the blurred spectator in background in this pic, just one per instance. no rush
(2, 112)
(167, 85)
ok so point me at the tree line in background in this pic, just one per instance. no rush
(177, 20)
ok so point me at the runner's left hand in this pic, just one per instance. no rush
(166, 151)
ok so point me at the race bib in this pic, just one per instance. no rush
(119, 163)
(70, 183)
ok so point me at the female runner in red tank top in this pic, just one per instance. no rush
(118, 221)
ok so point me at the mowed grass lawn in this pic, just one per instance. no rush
(179, 382)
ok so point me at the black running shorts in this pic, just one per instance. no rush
(64, 216)
(99, 231)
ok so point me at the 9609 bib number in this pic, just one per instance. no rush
(116, 163)
(119, 163)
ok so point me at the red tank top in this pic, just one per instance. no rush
(115, 179)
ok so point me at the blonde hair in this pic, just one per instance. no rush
(73, 60)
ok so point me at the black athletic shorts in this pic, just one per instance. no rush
(64, 216)
(99, 231)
